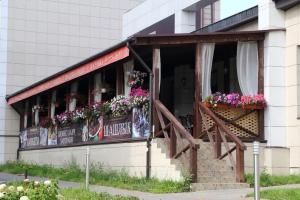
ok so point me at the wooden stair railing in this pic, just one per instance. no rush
(218, 134)
(172, 129)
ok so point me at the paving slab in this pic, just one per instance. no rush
(236, 194)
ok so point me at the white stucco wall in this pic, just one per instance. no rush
(130, 157)
(281, 84)
(39, 38)
(292, 77)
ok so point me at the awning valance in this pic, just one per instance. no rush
(93, 65)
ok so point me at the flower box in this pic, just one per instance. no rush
(225, 106)
(233, 100)
(253, 107)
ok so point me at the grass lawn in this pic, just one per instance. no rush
(268, 180)
(280, 194)
(81, 194)
(98, 176)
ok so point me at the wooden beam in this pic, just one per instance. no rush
(198, 90)
(240, 165)
(192, 39)
(193, 164)
(261, 117)
(173, 141)
(90, 89)
(120, 80)
(261, 67)
(156, 65)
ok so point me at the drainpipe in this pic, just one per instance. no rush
(148, 69)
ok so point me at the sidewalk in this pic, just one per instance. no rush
(237, 194)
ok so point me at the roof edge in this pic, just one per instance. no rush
(108, 50)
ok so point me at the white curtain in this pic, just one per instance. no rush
(72, 103)
(207, 60)
(157, 59)
(53, 100)
(97, 87)
(127, 68)
(26, 114)
(37, 111)
(247, 67)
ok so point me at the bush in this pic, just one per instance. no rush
(269, 180)
(30, 190)
(100, 176)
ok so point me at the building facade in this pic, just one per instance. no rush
(167, 17)
(39, 38)
(281, 63)
(269, 30)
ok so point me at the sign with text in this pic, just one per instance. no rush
(69, 135)
(72, 74)
(117, 128)
(134, 125)
(33, 137)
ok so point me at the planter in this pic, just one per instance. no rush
(243, 122)
(253, 107)
(225, 106)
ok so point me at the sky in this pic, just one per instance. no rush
(230, 7)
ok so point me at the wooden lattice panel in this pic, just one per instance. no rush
(243, 123)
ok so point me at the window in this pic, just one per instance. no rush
(207, 15)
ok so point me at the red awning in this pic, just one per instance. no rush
(84, 69)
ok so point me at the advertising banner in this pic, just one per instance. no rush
(52, 136)
(70, 134)
(43, 136)
(134, 125)
(33, 137)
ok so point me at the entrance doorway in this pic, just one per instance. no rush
(177, 80)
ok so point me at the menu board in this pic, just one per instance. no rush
(69, 134)
(33, 137)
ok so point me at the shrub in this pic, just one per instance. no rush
(30, 190)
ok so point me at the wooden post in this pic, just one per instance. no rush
(156, 62)
(120, 80)
(173, 141)
(49, 97)
(218, 147)
(261, 87)
(240, 165)
(193, 163)
(90, 89)
(198, 91)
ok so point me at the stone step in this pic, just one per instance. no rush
(215, 173)
(213, 166)
(218, 186)
(216, 179)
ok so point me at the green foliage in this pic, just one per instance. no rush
(280, 194)
(30, 190)
(81, 194)
(100, 176)
(268, 180)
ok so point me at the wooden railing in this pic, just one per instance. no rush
(219, 135)
(173, 131)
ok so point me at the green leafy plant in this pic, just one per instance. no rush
(30, 190)
(271, 180)
(101, 176)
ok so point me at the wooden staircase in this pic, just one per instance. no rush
(209, 168)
